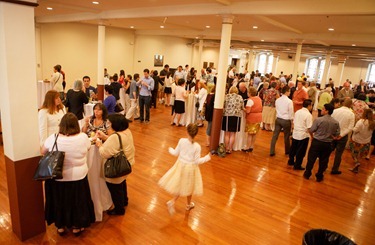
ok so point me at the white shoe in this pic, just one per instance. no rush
(190, 206)
(170, 205)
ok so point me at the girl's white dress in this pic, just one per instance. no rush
(184, 178)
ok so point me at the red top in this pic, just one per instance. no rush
(255, 115)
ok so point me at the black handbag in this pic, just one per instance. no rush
(118, 165)
(119, 107)
(51, 164)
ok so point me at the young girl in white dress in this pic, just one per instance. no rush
(184, 178)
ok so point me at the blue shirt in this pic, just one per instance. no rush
(110, 103)
(146, 90)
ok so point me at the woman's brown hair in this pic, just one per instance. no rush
(69, 125)
(192, 130)
(369, 116)
(49, 102)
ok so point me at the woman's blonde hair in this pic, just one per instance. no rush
(203, 85)
(253, 91)
(233, 90)
(49, 102)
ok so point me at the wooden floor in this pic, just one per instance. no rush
(248, 198)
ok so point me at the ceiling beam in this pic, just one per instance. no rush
(316, 7)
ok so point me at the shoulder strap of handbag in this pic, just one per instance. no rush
(57, 79)
(55, 144)
(119, 138)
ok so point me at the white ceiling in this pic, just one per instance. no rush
(281, 23)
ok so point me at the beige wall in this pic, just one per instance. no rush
(119, 50)
(74, 46)
(175, 50)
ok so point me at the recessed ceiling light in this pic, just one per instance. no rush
(196, 37)
(161, 26)
(132, 27)
(95, 2)
(208, 26)
(354, 45)
(331, 29)
(262, 40)
(49, 8)
(255, 27)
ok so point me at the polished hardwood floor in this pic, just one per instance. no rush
(249, 198)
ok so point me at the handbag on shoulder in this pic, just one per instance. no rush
(51, 164)
(118, 165)
(119, 107)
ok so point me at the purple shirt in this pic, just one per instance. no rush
(110, 103)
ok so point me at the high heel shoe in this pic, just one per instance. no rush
(356, 167)
(78, 231)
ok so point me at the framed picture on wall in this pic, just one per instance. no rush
(211, 64)
(205, 64)
(158, 60)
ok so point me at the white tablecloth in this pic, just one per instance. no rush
(100, 194)
(42, 89)
(241, 137)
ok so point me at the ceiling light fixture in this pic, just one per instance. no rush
(354, 45)
(255, 27)
(196, 37)
(162, 27)
(331, 29)
(262, 40)
(208, 26)
(95, 2)
(132, 27)
(49, 8)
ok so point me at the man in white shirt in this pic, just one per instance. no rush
(178, 74)
(284, 117)
(345, 116)
(302, 124)
(232, 73)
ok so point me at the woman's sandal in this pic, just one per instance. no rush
(78, 231)
(61, 231)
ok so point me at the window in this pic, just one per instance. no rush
(264, 63)
(371, 74)
(315, 68)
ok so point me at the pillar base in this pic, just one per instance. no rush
(216, 129)
(25, 198)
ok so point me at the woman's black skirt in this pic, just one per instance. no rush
(179, 106)
(231, 124)
(168, 90)
(68, 203)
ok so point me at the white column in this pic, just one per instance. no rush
(19, 117)
(101, 54)
(250, 62)
(296, 60)
(200, 50)
(327, 66)
(340, 70)
(275, 61)
(226, 34)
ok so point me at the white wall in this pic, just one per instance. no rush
(210, 55)
(175, 51)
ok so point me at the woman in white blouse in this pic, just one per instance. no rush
(179, 103)
(68, 200)
(50, 115)
(361, 138)
(201, 98)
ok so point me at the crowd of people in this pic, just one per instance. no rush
(252, 102)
